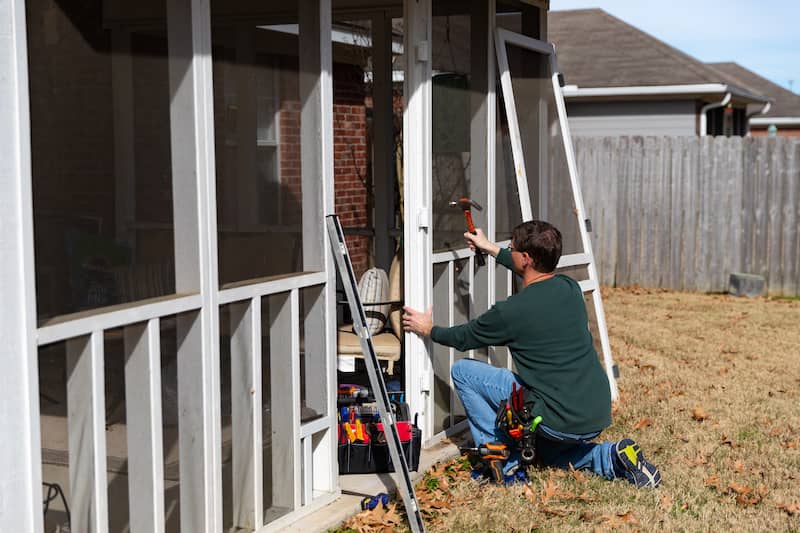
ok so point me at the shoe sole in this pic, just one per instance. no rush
(632, 459)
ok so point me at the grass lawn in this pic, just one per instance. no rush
(709, 388)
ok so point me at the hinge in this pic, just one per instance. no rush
(423, 52)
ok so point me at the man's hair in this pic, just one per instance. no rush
(542, 242)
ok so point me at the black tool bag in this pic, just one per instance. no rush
(371, 455)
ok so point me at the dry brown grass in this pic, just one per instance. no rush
(709, 388)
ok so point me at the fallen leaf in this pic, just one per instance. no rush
(792, 509)
(666, 502)
(618, 519)
(550, 490)
(739, 489)
(713, 481)
(738, 466)
(699, 414)
(579, 476)
(555, 511)
(643, 423)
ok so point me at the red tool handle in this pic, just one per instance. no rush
(471, 227)
(470, 224)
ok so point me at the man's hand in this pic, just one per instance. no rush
(417, 321)
(480, 242)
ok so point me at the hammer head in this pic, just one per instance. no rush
(465, 204)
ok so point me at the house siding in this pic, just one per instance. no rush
(632, 118)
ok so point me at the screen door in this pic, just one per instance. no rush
(544, 164)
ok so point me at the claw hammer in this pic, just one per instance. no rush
(466, 205)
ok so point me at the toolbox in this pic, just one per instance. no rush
(362, 442)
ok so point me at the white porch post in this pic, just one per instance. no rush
(195, 215)
(20, 456)
(417, 241)
(316, 134)
(480, 35)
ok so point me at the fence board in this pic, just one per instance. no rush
(685, 212)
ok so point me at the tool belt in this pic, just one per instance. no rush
(515, 419)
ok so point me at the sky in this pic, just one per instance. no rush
(760, 35)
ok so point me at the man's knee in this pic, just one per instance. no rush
(459, 370)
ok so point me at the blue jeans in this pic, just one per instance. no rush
(482, 387)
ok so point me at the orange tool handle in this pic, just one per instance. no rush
(470, 224)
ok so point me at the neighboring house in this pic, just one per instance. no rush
(623, 81)
(782, 117)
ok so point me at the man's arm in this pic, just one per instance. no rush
(480, 242)
(489, 329)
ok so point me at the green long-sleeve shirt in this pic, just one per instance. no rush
(545, 327)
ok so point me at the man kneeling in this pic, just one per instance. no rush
(546, 329)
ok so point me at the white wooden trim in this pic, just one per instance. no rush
(315, 426)
(513, 126)
(417, 239)
(586, 241)
(524, 41)
(491, 152)
(84, 323)
(271, 286)
(288, 522)
(195, 219)
(451, 301)
(284, 357)
(246, 414)
(451, 255)
(307, 455)
(316, 89)
(572, 260)
(86, 420)
(144, 427)
(21, 502)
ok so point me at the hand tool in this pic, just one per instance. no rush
(369, 503)
(466, 205)
(493, 455)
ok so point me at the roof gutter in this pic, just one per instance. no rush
(705, 108)
(778, 121)
(573, 91)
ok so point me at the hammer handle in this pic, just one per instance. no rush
(471, 227)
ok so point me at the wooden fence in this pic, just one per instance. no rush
(684, 212)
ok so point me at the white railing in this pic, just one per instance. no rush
(454, 277)
(291, 440)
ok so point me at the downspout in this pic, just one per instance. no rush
(763, 111)
(705, 108)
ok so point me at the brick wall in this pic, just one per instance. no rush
(351, 165)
